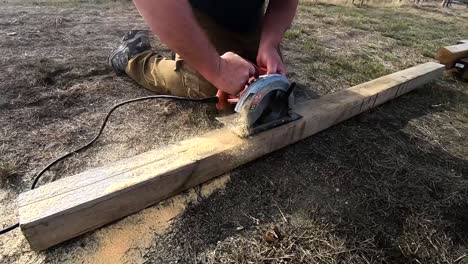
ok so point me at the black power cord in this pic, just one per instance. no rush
(103, 125)
(8, 229)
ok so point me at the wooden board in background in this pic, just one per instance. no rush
(450, 54)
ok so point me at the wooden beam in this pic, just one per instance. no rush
(450, 54)
(72, 206)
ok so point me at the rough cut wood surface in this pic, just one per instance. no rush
(450, 54)
(77, 204)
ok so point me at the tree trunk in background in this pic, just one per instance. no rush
(446, 3)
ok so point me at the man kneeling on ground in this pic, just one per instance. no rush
(215, 43)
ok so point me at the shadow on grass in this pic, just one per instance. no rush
(388, 193)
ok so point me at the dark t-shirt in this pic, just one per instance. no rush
(235, 15)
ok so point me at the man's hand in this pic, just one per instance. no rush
(269, 58)
(232, 74)
(278, 18)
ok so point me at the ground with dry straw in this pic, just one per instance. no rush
(389, 186)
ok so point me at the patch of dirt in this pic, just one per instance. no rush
(56, 88)
(388, 186)
(127, 240)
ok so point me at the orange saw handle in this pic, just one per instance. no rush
(227, 101)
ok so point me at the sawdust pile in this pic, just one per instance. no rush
(127, 240)
(219, 142)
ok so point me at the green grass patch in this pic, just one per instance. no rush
(356, 70)
(388, 56)
(292, 34)
(424, 33)
(315, 50)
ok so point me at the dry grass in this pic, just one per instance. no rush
(376, 189)
(302, 241)
(389, 186)
(8, 175)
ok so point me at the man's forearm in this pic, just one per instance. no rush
(278, 18)
(176, 26)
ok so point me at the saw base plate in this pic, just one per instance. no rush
(237, 124)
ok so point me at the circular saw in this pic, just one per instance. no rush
(264, 104)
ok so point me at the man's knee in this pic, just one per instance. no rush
(190, 82)
(166, 76)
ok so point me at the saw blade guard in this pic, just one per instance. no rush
(265, 100)
(260, 87)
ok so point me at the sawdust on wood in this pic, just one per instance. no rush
(218, 141)
(241, 126)
(182, 154)
(126, 240)
(237, 123)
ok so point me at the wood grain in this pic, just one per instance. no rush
(77, 204)
(450, 54)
